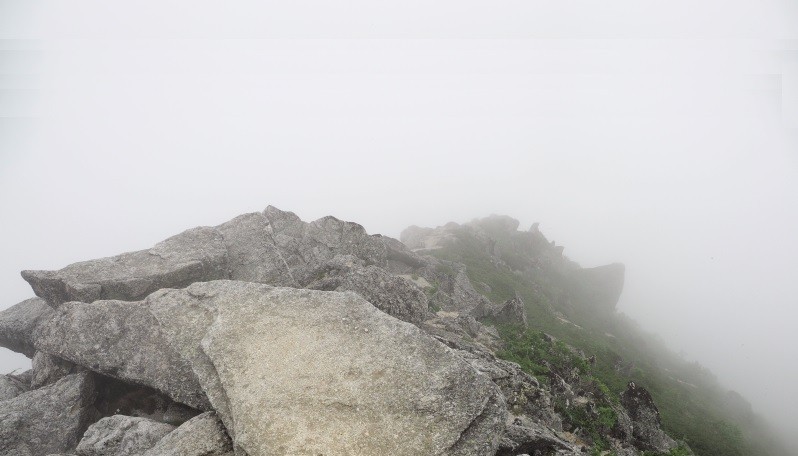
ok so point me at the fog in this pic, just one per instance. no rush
(663, 135)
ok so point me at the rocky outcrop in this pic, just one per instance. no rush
(519, 439)
(121, 340)
(645, 421)
(265, 357)
(273, 247)
(306, 247)
(121, 435)
(532, 424)
(451, 290)
(10, 387)
(392, 294)
(400, 259)
(512, 312)
(457, 330)
(18, 322)
(48, 420)
(203, 435)
(277, 248)
(251, 252)
(48, 369)
(194, 255)
(293, 338)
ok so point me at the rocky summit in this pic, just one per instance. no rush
(269, 335)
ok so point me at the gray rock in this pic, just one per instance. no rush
(533, 423)
(453, 290)
(307, 247)
(523, 394)
(264, 356)
(347, 238)
(25, 377)
(513, 312)
(195, 255)
(18, 322)
(623, 429)
(121, 435)
(461, 331)
(49, 369)
(530, 439)
(469, 324)
(401, 260)
(393, 295)
(10, 387)
(252, 254)
(122, 340)
(48, 420)
(204, 435)
(273, 247)
(285, 223)
(646, 431)
(185, 318)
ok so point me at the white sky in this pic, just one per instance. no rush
(660, 134)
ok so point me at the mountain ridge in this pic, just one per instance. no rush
(509, 307)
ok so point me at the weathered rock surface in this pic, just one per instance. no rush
(646, 431)
(457, 330)
(401, 260)
(453, 290)
(10, 387)
(252, 254)
(194, 255)
(529, 439)
(522, 393)
(48, 420)
(307, 247)
(18, 322)
(122, 340)
(49, 369)
(512, 312)
(264, 357)
(25, 377)
(121, 435)
(393, 295)
(203, 435)
(273, 247)
(322, 367)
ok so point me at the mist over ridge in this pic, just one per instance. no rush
(662, 137)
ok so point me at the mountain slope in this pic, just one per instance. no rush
(577, 306)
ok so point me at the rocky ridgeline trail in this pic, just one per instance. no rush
(267, 335)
